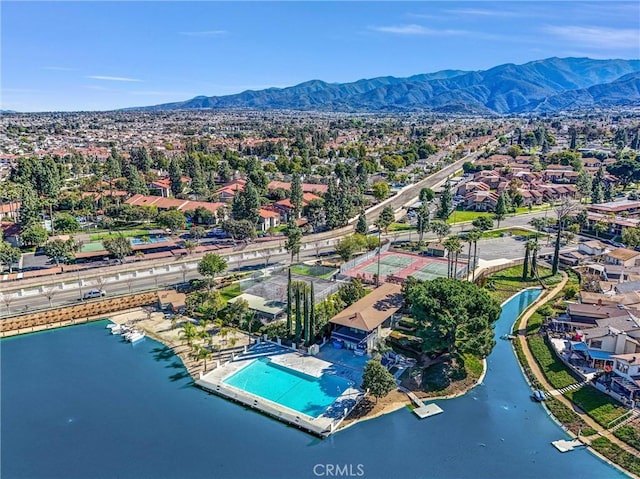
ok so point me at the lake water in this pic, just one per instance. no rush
(80, 403)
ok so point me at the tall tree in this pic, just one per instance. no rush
(29, 207)
(377, 380)
(440, 228)
(296, 195)
(9, 255)
(210, 266)
(118, 246)
(453, 315)
(175, 176)
(502, 207)
(361, 226)
(563, 212)
(525, 264)
(583, 184)
(289, 303)
(446, 202)
(597, 189)
(294, 238)
(386, 218)
(60, 251)
(422, 225)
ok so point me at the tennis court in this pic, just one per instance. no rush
(401, 265)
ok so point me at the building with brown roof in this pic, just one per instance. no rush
(358, 326)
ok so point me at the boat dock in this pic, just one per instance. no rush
(422, 410)
(563, 445)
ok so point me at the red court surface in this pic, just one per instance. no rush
(402, 265)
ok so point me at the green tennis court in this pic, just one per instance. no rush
(385, 269)
(92, 247)
(397, 261)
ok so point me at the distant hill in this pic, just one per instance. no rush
(544, 85)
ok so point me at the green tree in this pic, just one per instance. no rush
(385, 219)
(502, 207)
(377, 380)
(631, 237)
(563, 212)
(9, 255)
(65, 223)
(197, 233)
(119, 247)
(453, 315)
(294, 238)
(422, 224)
(446, 202)
(34, 235)
(597, 189)
(29, 207)
(352, 292)
(514, 151)
(440, 228)
(474, 236)
(239, 230)
(381, 190)
(525, 264)
(454, 247)
(361, 226)
(483, 223)
(296, 195)
(59, 250)
(211, 265)
(171, 219)
(427, 194)
(583, 184)
(175, 176)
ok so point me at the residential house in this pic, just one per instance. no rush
(306, 187)
(593, 248)
(625, 377)
(10, 210)
(163, 203)
(227, 193)
(622, 257)
(269, 218)
(481, 201)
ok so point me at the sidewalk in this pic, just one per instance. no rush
(537, 372)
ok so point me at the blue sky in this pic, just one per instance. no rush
(103, 55)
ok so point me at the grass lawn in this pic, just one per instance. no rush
(231, 291)
(554, 370)
(322, 272)
(601, 407)
(125, 233)
(504, 284)
(616, 454)
(401, 227)
(566, 416)
(460, 216)
(629, 434)
(510, 232)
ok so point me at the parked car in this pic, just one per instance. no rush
(94, 293)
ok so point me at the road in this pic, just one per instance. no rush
(143, 278)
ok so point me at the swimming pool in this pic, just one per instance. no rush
(152, 239)
(295, 390)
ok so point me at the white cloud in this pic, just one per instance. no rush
(206, 33)
(414, 29)
(601, 38)
(110, 78)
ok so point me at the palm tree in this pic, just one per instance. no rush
(189, 332)
(474, 235)
(535, 248)
(563, 211)
(190, 246)
(525, 264)
(202, 354)
(454, 247)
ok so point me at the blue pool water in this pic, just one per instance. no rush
(293, 389)
(79, 403)
(152, 239)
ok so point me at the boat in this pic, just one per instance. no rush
(508, 337)
(119, 329)
(111, 325)
(135, 336)
(539, 396)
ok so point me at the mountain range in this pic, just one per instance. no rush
(548, 85)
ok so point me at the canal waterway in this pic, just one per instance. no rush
(80, 403)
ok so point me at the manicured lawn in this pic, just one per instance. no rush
(601, 407)
(231, 291)
(472, 364)
(460, 216)
(401, 227)
(512, 232)
(534, 323)
(554, 370)
(125, 233)
(504, 284)
(322, 272)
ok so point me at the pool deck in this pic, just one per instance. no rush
(323, 425)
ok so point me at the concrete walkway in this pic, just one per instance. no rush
(537, 372)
